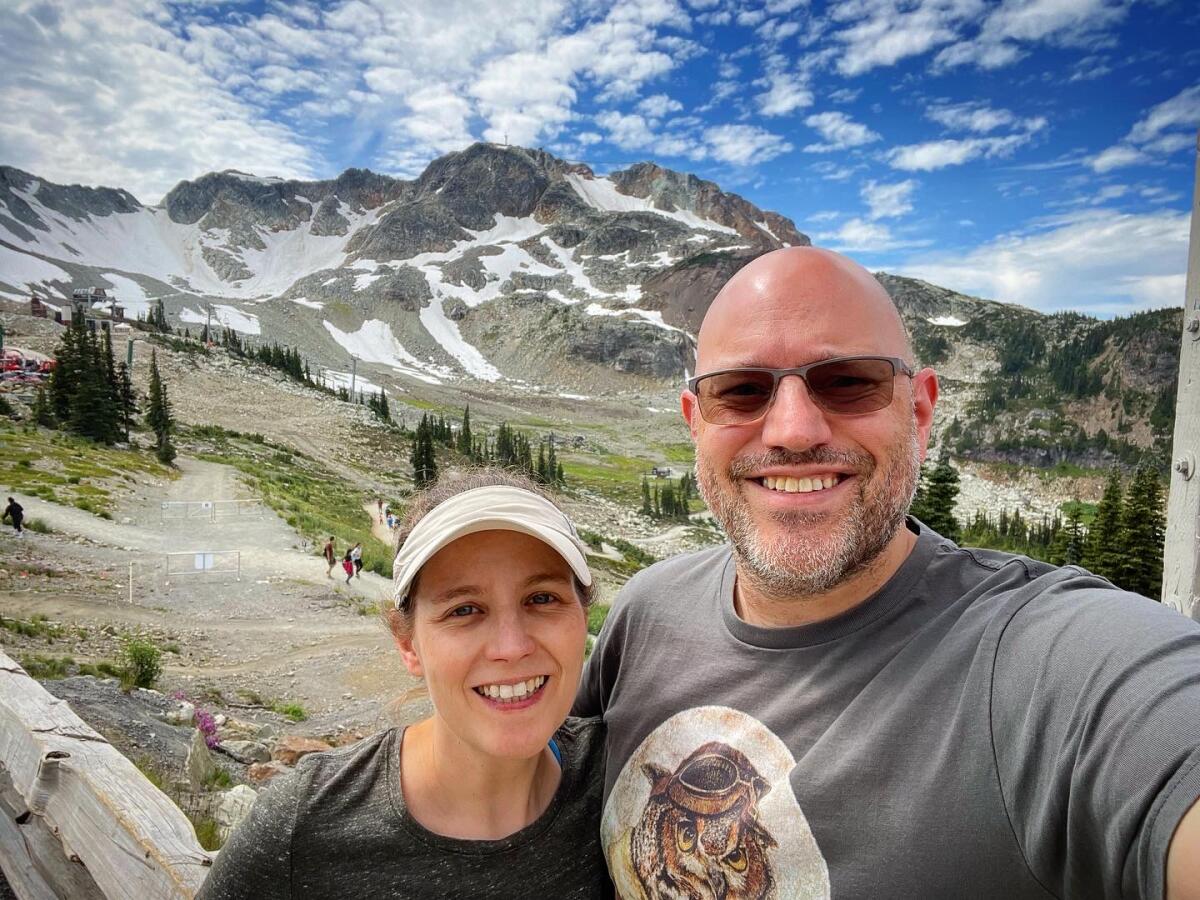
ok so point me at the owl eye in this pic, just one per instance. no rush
(736, 860)
(685, 835)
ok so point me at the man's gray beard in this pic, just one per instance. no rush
(815, 554)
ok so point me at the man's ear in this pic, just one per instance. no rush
(691, 411)
(408, 653)
(925, 395)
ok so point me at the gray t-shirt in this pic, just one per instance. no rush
(339, 827)
(985, 726)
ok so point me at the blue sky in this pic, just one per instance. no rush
(1038, 151)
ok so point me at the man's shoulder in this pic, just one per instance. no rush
(1039, 600)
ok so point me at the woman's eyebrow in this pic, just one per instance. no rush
(456, 593)
(540, 577)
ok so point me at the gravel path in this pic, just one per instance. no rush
(282, 630)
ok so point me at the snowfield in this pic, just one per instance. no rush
(600, 193)
(375, 343)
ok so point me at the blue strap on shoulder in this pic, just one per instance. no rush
(557, 753)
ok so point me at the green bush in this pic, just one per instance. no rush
(141, 664)
(596, 615)
(293, 711)
(38, 525)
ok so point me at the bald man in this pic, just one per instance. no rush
(840, 702)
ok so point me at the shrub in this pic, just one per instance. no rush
(141, 664)
(38, 525)
(596, 615)
(206, 833)
(293, 711)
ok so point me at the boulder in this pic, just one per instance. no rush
(199, 766)
(261, 773)
(234, 806)
(182, 713)
(245, 751)
(292, 748)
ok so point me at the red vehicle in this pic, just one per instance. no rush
(15, 366)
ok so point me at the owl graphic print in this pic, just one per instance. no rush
(691, 817)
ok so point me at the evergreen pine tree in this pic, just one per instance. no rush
(466, 442)
(647, 509)
(43, 413)
(560, 477)
(551, 464)
(92, 411)
(126, 399)
(934, 501)
(1068, 549)
(158, 414)
(1103, 553)
(1142, 533)
(422, 457)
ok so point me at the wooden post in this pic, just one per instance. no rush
(77, 819)
(1181, 564)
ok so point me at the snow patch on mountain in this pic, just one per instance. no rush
(226, 316)
(566, 258)
(149, 242)
(130, 295)
(446, 333)
(652, 316)
(304, 301)
(601, 193)
(21, 270)
(333, 380)
(946, 320)
(375, 343)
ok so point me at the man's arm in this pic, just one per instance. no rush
(1183, 858)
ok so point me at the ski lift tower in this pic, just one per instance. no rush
(1181, 565)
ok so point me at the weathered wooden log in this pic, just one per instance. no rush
(79, 819)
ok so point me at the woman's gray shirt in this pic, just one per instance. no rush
(339, 827)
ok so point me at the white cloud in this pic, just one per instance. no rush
(888, 200)
(1070, 23)
(787, 93)
(1101, 261)
(975, 116)
(932, 155)
(744, 145)
(169, 89)
(658, 105)
(839, 131)
(1167, 128)
(885, 32)
(103, 95)
(1182, 110)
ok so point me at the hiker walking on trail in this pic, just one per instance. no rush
(348, 565)
(356, 558)
(330, 557)
(16, 512)
(379, 505)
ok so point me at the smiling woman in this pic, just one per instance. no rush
(498, 792)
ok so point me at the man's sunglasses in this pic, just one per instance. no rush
(845, 385)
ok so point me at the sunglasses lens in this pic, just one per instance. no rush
(733, 397)
(853, 385)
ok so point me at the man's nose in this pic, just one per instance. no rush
(795, 421)
(510, 638)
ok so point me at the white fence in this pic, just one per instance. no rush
(210, 510)
(204, 562)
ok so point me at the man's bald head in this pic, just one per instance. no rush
(795, 287)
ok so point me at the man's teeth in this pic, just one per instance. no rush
(511, 692)
(800, 485)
